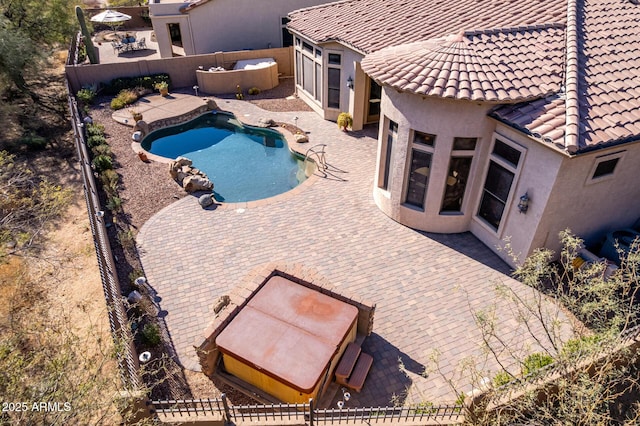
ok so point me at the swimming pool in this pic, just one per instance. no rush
(245, 163)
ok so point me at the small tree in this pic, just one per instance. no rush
(593, 377)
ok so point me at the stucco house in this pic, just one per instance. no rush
(208, 26)
(512, 120)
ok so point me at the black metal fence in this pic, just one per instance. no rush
(126, 353)
(275, 413)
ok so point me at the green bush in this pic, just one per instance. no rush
(95, 129)
(502, 378)
(124, 98)
(95, 140)
(535, 362)
(86, 95)
(33, 141)
(114, 203)
(254, 91)
(146, 82)
(109, 180)
(151, 334)
(102, 163)
(127, 239)
(581, 345)
(101, 149)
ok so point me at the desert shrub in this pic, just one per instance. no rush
(95, 140)
(502, 378)
(95, 129)
(114, 203)
(147, 82)
(33, 141)
(535, 362)
(102, 149)
(127, 239)
(102, 163)
(581, 345)
(124, 98)
(254, 91)
(151, 334)
(109, 179)
(86, 95)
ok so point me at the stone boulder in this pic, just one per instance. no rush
(193, 183)
(141, 126)
(265, 122)
(177, 167)
(301, 138)
(206, 200)
(211, 104)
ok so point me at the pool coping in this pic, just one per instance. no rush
(293, 145)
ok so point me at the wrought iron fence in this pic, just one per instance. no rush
(274, 413)
(118, 322)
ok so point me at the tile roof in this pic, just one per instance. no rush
(601, 102)
(574, 66)
(370, 25)
(502, 65)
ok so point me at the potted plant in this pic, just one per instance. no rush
(345, 120)
(137, 116)
(162, 87)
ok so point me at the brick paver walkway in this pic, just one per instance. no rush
(425, 285)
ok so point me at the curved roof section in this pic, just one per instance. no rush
(502, 65)
(370, 25)
(601, 105)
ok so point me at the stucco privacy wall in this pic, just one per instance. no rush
(181, 69)
(592, 208)
(537, 176)
(446, 119)
(224, 25)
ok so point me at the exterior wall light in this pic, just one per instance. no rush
(350, 82)
(523, 204)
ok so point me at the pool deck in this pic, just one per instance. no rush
(426, 286)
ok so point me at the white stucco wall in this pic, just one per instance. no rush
(540, 166)
(227, 25)
(591, 209)
(446, 119)
(349, 67)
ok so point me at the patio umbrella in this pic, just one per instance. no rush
(113, 18)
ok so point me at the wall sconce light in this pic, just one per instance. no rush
(350, 82)
(523, 204)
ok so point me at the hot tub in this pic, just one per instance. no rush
(287, 340)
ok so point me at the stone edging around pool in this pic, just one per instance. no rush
(294, 147)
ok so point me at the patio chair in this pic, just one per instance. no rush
(117, 47)
(142, 43)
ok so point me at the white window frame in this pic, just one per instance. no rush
(430, 149)
(457, 153)
(386, 153)
(326, 77)
(298, 46)
(508, 206)
(619, 155)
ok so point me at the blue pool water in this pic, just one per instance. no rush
(244, 163)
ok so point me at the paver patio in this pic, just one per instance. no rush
(425, 285)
